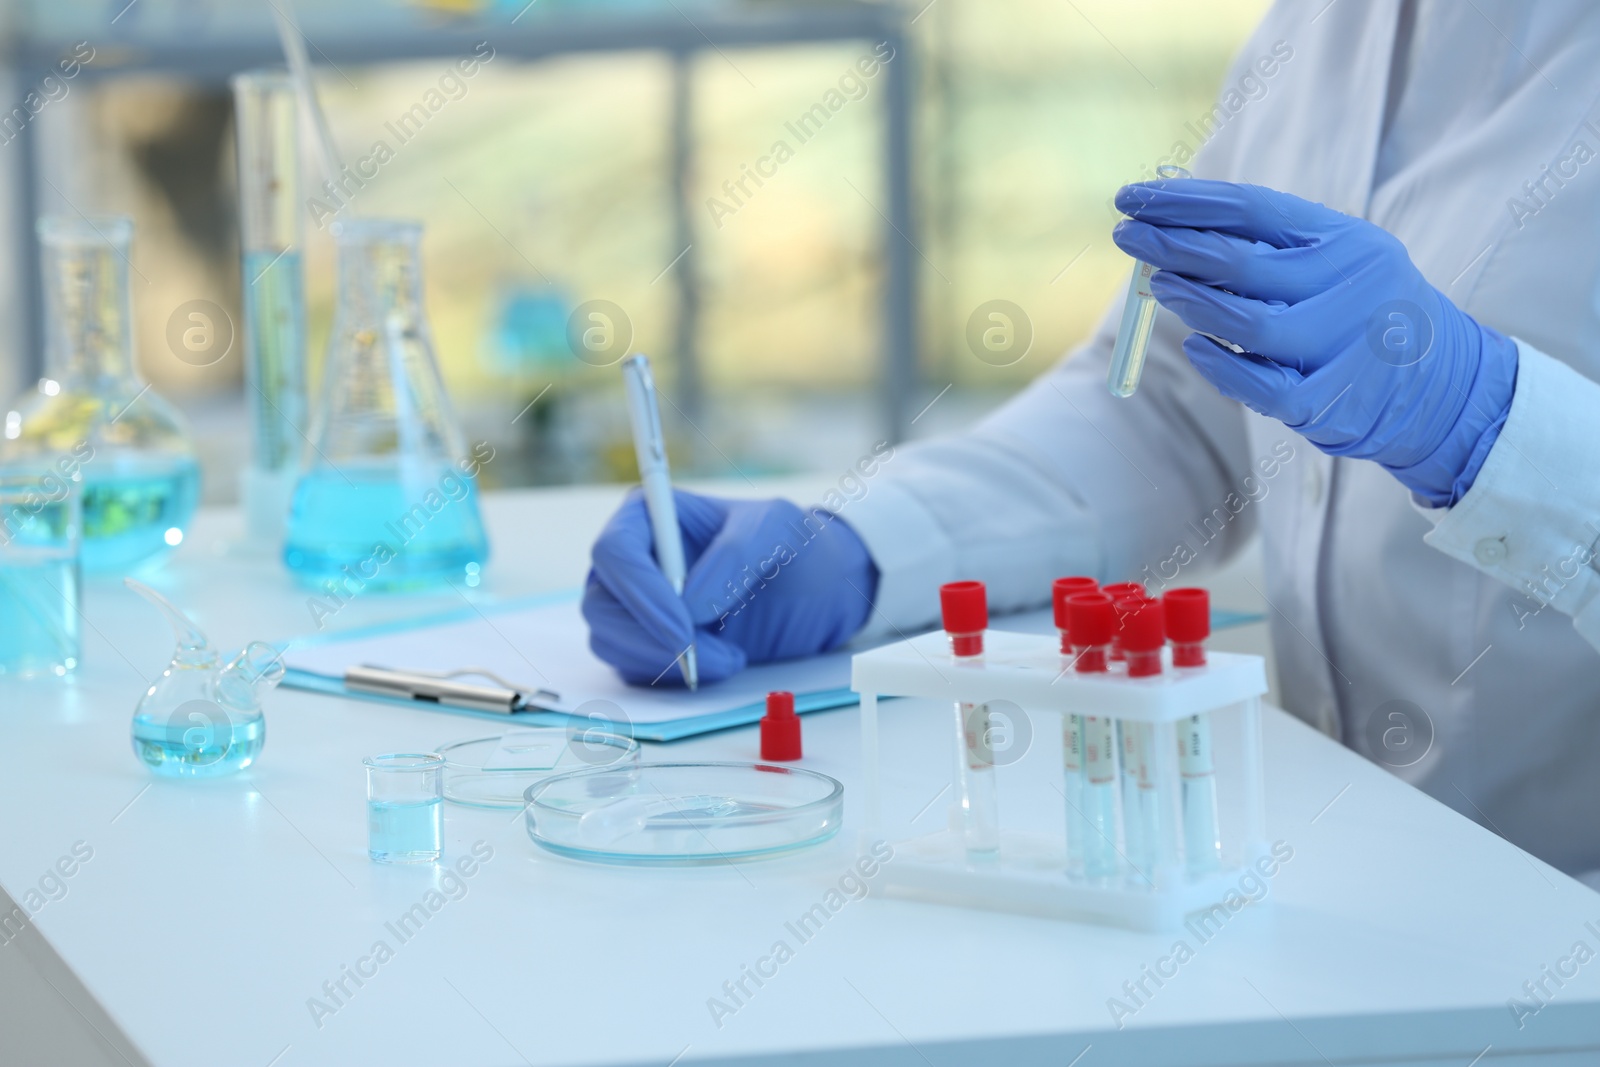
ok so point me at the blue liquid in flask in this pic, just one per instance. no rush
(198, 747)
(387, 531)
(405, 832)
(136, 512)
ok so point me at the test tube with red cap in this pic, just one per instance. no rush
(1143, 636)
(1093, 619)
(1188, 624)
(1121, 592)
(965, 607)
(1061, 591)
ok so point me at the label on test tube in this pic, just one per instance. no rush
(979, 735)
(1133, 751)
(1194, 747)
(1072, 743)
(1141, 279)
(1099, 749)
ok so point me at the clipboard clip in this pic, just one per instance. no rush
(426, 687)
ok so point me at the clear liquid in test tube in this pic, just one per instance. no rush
(1138, 319)
(965, 608)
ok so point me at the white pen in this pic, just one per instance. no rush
(651, 447)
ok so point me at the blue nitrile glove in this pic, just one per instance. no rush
(767, 581)
(1344, 340)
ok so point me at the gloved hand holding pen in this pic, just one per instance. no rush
(767, 581)
(1344, 340)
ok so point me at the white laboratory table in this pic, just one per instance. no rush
(209, 914)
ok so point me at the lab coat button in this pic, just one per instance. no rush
(1490, 550)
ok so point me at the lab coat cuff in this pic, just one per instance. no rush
(1532, 516)
(913, 553)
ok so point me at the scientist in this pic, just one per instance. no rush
(1402, 235)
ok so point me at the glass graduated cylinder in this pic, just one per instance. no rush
(274, 315)
(1138, 319)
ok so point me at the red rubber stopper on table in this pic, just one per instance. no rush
(1188, 621)
(1092, 620)
(1062, 590)
(965, 606)
(1143, 634)
(780, 728)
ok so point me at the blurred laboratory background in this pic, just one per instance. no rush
(799, 305)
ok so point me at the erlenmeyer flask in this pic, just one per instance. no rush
(388, 499)
(91, 418)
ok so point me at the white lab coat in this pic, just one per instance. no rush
(1485, 615)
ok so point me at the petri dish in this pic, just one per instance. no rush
(495, 772)
(664, 814)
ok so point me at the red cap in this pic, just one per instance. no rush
(965, 606)
(1143, 634)
(1093, 620)
(1063, 589)
(1118, 590)
(1188, 622)
(780, 728)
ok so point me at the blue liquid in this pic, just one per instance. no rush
(191, 748)
(366, 529)
(275, 366)
(134, 515)
(38, 613)
(409, 832)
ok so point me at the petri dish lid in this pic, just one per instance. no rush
(652, 814)
(495, 772)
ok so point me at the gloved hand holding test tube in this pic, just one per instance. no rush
(1138, 318)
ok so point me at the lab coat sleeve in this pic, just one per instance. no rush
(1532, 516)
(1062, 479)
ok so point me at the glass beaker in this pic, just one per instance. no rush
(388, 499)
(405, 807)
(272, 279)
(39, 587)
(128, 448)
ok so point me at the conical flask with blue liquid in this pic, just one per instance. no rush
(388, 497)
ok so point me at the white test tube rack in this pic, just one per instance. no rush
(1029, 874)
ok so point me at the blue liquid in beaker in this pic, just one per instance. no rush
(135, 513)
(387, 532)
(39, 603)
(405, 831)
(205, 747)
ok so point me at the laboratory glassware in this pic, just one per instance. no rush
(40, 528)
(273, 284)
(1092, 620)
(1063, 590)
(1138, 318)
(965, 608)
(683, 813)
(388, 497)
(405, 807)
(495, 772)
(132, 453)
(1188, 624)
(202, 718)
(1148, 806)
